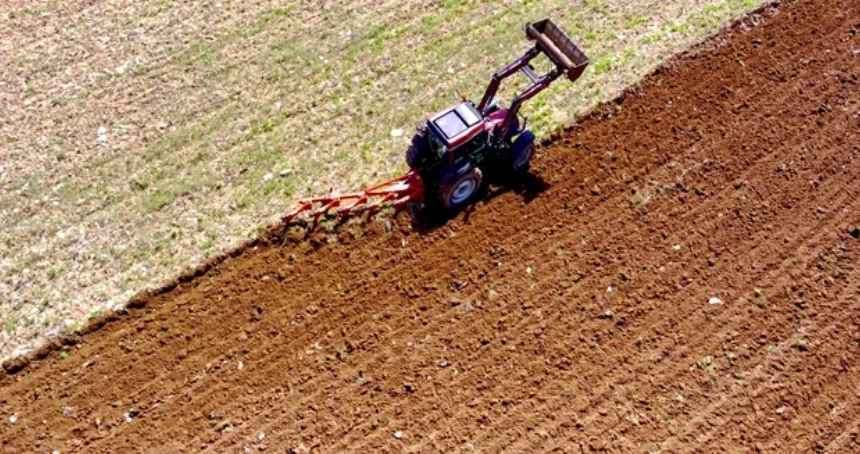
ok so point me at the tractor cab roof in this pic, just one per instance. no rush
(457, 125)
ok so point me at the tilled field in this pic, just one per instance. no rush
(680, 276)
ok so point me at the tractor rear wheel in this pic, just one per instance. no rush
(416, 152)
(460, 190)
(413, 157)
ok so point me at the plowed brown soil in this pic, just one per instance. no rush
(686, 280)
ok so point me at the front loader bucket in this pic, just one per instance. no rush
(558, 47)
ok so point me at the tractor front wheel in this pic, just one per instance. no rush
(522, 151)
(460, 190)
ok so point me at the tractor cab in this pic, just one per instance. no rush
(456, 126)
(457, 133)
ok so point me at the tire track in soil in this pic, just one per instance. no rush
(155, 358)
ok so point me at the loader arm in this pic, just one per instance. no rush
(551, 41)
(503, 74)
(536, 87)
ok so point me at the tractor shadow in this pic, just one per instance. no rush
(431, 218)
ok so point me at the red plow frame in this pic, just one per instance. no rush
(395, 193)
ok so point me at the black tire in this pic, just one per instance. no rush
(416, 151)
(459, 191)
(413, 157)
(522, 151)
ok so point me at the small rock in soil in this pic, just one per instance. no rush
(398, 435)
(855, 233)
(223, 426)
(443, 364)
(715, 300)
(131, 414)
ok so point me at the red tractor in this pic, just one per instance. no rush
(453, 150)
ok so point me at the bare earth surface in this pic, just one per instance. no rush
(680, 275)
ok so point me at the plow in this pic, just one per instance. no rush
(454, 151)
(396, 194)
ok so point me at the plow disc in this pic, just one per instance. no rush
(394, 193)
